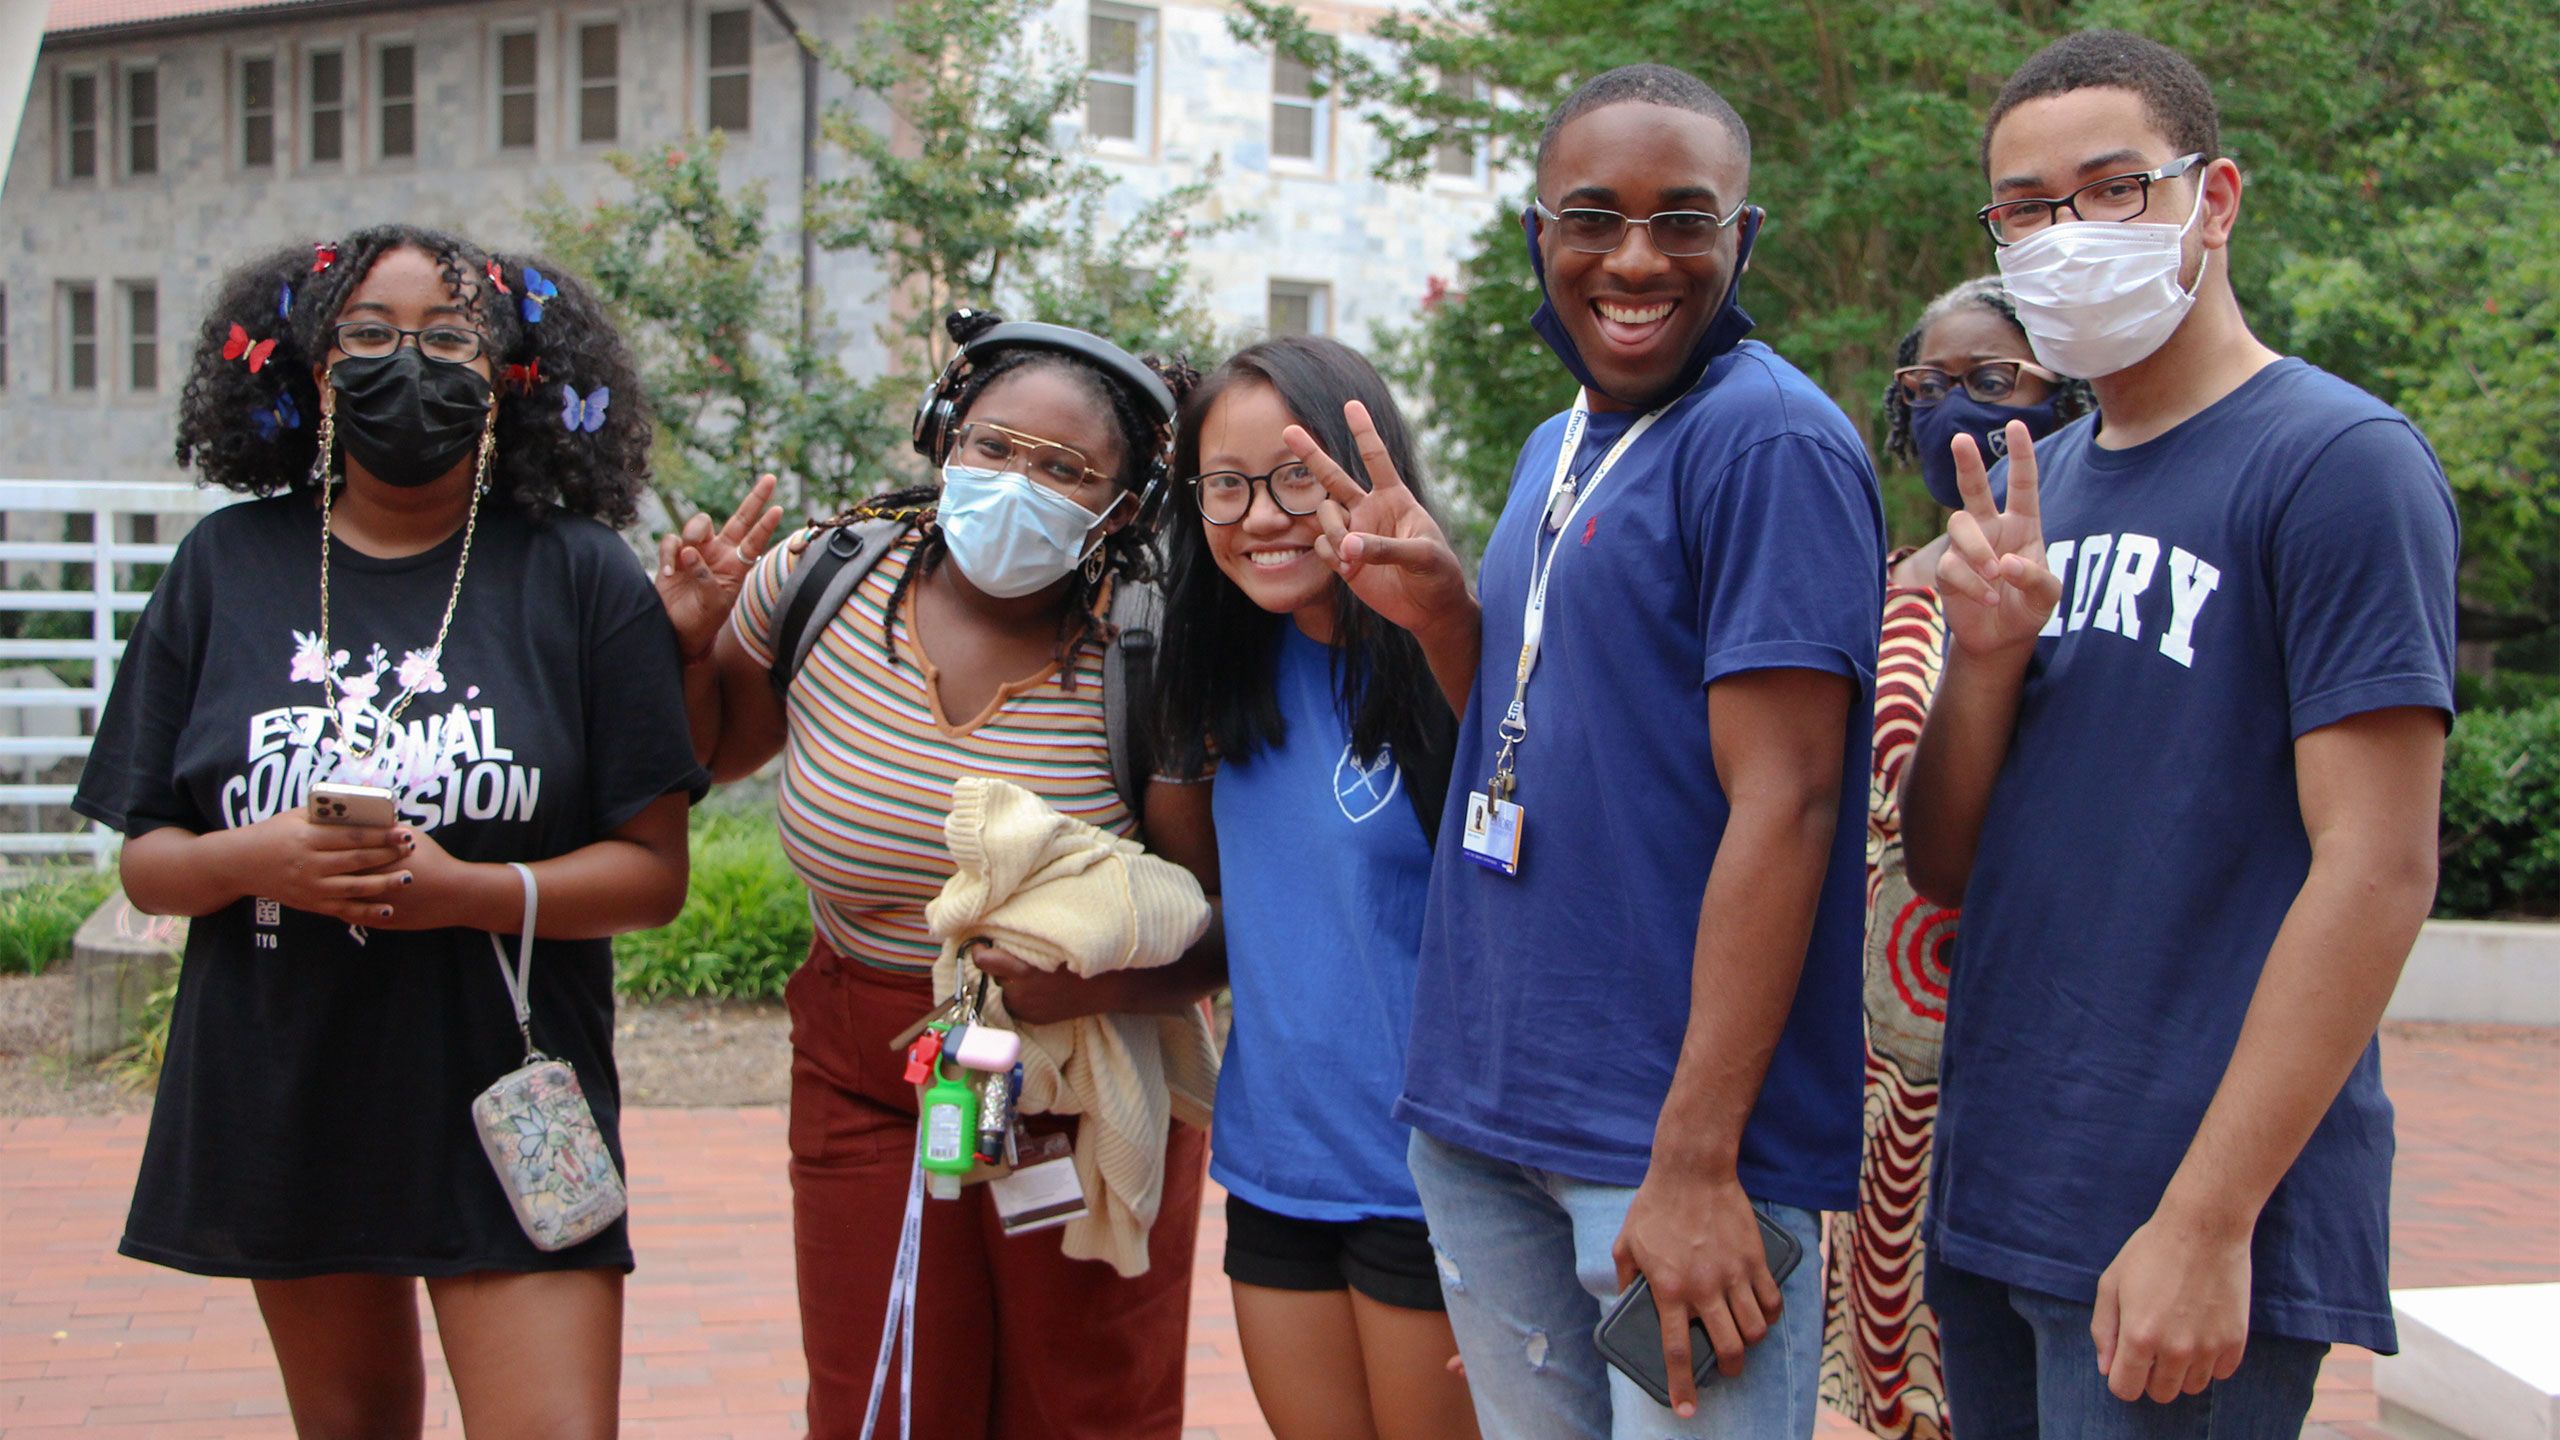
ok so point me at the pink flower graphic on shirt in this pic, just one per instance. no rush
(418, 672)
(358, 689)
(310, 662)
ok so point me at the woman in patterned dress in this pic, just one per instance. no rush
(1964, 369)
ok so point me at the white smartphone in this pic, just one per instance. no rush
(335, 804)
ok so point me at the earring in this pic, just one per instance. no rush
(1094, 564)
(320, 469)
(488, 448)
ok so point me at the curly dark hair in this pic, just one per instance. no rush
(2073, 398)
(258, 433)
(1129, 555)
(2176, 98)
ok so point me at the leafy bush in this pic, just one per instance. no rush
(2501, 850)
(2504, 690)
(38, 919)
(745, 923)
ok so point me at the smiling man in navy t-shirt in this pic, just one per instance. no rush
(1637, 1016)
(2182, 775)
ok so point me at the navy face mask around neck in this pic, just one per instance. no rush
(1934, 429)
(1723, 333)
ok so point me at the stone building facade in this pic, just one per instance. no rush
(164, 140)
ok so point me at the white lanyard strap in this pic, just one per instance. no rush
(898, 1330)
(519, 976)
(1533, 614)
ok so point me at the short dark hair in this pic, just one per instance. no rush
(2175, 95)
(1645, 84)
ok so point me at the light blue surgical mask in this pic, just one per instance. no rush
(1010, 534)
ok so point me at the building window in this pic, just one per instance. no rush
(326, 98)
(1119, 77)
(519, 82)
(1301, 308)
(1299, 116)
(395, 92)
(728, 46)
(142, 121)
(79, 336)
(142, 336)
(1459, 159)
(79, 126)
(258, 112)
(599, 83)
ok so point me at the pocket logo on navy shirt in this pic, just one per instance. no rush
(1364, 790)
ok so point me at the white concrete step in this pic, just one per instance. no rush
(2476, 1362)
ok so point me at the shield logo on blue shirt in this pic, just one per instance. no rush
(1362, 791)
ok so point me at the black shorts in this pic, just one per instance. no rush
(1390, 1261)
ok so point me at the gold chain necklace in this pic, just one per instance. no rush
(434, 653)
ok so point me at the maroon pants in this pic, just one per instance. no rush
(1013, 1339)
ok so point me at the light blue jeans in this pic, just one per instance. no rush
(1525, 1265)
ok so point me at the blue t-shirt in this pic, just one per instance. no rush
(2280, 562)
(1742, 532)
(1323, 870)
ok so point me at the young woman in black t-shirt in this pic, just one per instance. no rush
(427, 602)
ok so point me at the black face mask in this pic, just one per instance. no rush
(406, 419)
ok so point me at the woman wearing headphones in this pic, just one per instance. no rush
(973, 643)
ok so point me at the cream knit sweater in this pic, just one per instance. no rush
(1062, 894)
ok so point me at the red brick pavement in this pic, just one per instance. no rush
(96, 1346)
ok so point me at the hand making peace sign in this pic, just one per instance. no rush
(701, 570)
(1380, 540)
(1998, 590)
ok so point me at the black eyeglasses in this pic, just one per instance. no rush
(1990, 382)
(1226, 496)
(445, 344)
(1680, 234)
(2118, 198)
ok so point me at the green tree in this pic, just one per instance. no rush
(685, 263)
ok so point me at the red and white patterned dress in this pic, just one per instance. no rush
(1880, 1362)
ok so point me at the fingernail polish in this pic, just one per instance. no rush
(386, 912)
(407, 878)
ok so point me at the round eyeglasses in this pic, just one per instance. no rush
(1990, 382)
(373, 339)
(1680, 234)
(1226, 496)
(2118, 198)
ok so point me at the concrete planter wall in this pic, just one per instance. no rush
(119, 957)
(2482, 972)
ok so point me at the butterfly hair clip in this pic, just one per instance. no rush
(240, 347)
(537, 291)
(522, 378)
(269, 421)
(498, 278)
(583, 416)
(323, 255)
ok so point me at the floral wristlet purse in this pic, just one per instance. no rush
(541, 1137)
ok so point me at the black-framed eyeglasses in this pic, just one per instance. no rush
(1991, 381)
(1680, 234)
(373, 339)
(2117, 199)
(1226, 496)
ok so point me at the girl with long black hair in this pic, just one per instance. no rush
(1317, 727)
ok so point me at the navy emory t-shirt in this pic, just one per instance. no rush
(2279, 562)
(1742, 532)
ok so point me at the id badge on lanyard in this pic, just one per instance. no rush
(1494, 820)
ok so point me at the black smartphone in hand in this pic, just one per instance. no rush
(1631, 1338)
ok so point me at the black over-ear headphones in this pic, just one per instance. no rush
(937, 415)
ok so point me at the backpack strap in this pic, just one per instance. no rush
(817, 588)
(1128, 680)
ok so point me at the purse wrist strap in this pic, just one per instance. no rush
(519, 976)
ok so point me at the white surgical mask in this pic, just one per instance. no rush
(2095, 296)
(1010, 534)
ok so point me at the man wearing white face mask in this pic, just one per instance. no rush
(2181, 775)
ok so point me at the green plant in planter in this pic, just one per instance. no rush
(745, 923)
(2501, 847)
(39, 918)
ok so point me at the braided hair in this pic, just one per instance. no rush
(1128, 553)
(257, 431)
(2073, 398)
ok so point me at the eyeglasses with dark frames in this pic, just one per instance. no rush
(1225, 497)
(2116, 199)
(1680, 234)
(1989, 381)
(373, 339)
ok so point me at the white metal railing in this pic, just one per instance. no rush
(36, 733)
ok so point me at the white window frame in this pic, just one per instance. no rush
(347, 107)
(377, 97)
(130, 339)
(1319, 297)
(1479, 174)
(499, 35)
(1142, 119)
(710, 72)
(1320, 111)
(99, 129)
(279, 111)
(575, 83)
(64, 369)
(126, 74)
